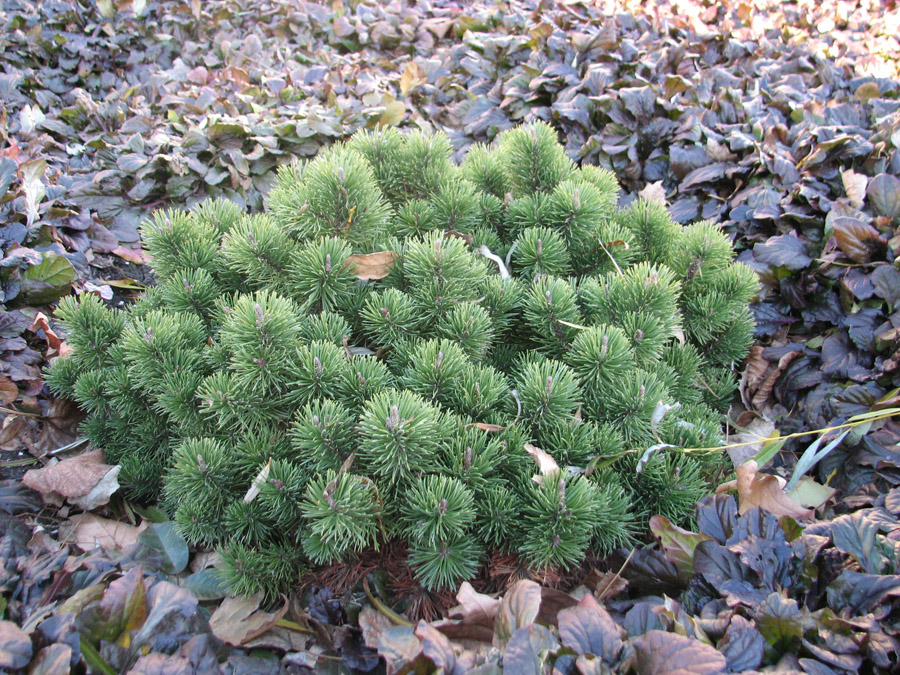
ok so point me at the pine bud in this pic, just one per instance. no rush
(319, 369)
(327, 263)
(442, 506)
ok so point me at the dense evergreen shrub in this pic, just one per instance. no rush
(289, 412)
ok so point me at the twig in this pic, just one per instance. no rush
(616, 577)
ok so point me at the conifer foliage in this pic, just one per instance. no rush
(292, 413)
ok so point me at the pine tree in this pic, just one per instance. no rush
(292, 415)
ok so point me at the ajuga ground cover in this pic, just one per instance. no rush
(385, 352)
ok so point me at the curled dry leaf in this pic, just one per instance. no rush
(547, 466)
(760, 430)
(763, 490)
(370, 266)
(84, 480)
(474, 606)
(56, 346)
(855, 187)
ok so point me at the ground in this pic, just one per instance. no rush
(781, 121)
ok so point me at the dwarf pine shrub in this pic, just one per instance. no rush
(291, 413)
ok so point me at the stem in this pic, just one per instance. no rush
(383, 608)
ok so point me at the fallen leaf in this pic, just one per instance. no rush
(56, 345)
(763, 490)
(370, 266)
(9, 392)
(237, 621)
(88, 531)
(84, 480)
(757, 433)
(490, 428)
(547, 466)
(474, 607)
(654, 192)
(373, 624)
(136, 256)
(33, 185)
(855, 187)
(810, 494)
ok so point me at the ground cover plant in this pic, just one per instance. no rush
(377, 355)
(777, 120)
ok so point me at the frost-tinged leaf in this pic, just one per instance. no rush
(518, 608)
(7, 174)
(743, 645)
(15, 646)
(884, 193)
(661, 653)
(858, 593)
(527, 650)
(131, 162)
(589, 629)
(399, 647)
(856, 534)
(173, 618)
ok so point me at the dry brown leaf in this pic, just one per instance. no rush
(237, 621)
(373, 623)
(606, 585)
(9, 392)
(547, 466)
(84, 481)
(757, 381)
(763, 490)
(57, 348)
(490, 428)
(88, 531)
(474, 607)
(370, 266)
